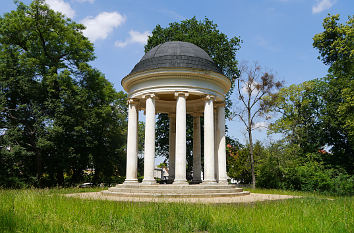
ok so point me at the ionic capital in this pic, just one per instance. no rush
(133, 101)
(209, 97)
(181, 93)
(150, 95)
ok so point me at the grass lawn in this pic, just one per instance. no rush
(46, 210)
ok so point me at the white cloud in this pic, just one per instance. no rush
(102, 25)
(322, 5)
(62, 7)
(135, 37)
(82, 1)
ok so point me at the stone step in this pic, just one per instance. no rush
(175, 195)
(172, 186)
(173, 191)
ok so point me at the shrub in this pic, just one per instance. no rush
(281, 171)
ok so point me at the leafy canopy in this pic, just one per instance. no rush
(58, 114)
(219, 47)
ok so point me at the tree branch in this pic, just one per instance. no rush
(239, 92)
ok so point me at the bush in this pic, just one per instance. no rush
(269, 173)
(310, 176)
(279, 171)
(343, 184)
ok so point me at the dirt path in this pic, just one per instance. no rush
(253, 197)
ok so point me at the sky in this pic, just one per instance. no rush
(275, 33)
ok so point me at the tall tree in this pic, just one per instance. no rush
(56, 111)
(220, 48)
(335, 45)
(253, 87)
(300, 108)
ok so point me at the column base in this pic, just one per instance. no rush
(180, 182)
(223, 182)
(209, 182)
(149, 182)
(131, 181)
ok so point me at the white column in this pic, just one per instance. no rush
(132, 143)
(222, 175)
(172, 148)
(209, 175)
(216, 145)
(181, 122)
(149, 150)
(197, 163)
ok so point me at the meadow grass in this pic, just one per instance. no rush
(48, 210)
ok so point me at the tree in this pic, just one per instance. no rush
(257, 91)
(336, 47)
(300, 108)
(58, 114)
(220, 48)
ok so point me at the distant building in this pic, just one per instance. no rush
(161, 173)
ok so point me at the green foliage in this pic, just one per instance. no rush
(310, 119)
(300, 108)
(207, 36)
(336, 48)
(59, 116)
(318, 115)
(49, 211)
(314, 176)
(271, 165)
(238, 160)
(286, 167)
(336, 45)
(220, 48)
(257, 93)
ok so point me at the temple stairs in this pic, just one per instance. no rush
(171, 190)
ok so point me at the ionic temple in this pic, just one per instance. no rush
(177, 78)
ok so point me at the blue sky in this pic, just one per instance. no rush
(276, 33)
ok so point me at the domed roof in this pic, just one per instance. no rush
(176, 54)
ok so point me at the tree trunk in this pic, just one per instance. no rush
(252, 158)
(38, 168)
(60, 177)
(251, 147)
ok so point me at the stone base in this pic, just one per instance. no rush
(209, 182)
(131, 181)
(149, 182)
(223, 182)
(175, 190)
(180, 182)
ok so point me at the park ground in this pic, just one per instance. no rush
(48, 210)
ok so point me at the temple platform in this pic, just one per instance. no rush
(172, 190)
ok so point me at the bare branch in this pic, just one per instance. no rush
(244, 122)
(258, 99)
(255, 113)
(239, 92)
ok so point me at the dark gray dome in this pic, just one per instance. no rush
(175, 54)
